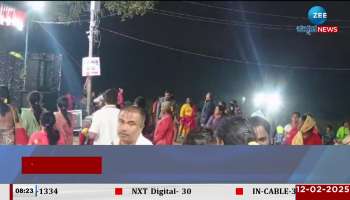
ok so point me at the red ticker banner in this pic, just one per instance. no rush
(11, 17)
(61, 165)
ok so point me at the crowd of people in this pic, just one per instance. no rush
(163, 122)
(34, 125)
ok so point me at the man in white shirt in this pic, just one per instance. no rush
(105, 121)
(130, 124)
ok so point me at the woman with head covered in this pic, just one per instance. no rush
(308, 133)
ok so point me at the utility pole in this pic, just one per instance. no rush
(26, 54)
(94, 10)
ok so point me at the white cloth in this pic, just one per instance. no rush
(105, 125)
(141, 140)
(98, 99)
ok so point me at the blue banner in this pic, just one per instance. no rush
(189, 164)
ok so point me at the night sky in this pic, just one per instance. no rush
(142, 69)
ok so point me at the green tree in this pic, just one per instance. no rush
(75, 10)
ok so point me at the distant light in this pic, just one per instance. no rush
(36, 5)
(16, 55)
(243, 99)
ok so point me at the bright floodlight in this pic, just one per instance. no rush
(269, 101)
(36, 5)
(274, 102)
(259, 99)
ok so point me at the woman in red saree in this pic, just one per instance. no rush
(164, 133)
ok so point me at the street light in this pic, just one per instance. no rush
(259, 99)
(37, 6)
(269, 101)
(274, 102)
(243, 100)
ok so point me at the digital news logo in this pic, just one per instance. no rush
(317, 15)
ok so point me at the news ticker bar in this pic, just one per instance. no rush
(173, 191)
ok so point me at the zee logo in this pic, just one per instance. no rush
(317, 15)
(320, 15)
